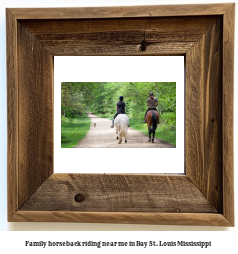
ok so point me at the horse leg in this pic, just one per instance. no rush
(117, 132)
(119, 135)
(149, 135)
(149, 130)
(153, 137)
(120, 139)
(126, 138)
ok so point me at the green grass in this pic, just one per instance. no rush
(165, 131)
(73, 130)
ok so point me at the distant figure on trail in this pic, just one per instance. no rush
(152, 103)
(121, 107)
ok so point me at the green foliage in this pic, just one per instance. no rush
(72, 101)
(167, 127)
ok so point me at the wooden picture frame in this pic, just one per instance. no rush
(204, 34)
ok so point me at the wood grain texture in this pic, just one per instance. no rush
(121, 11)
(227, 113)
(48, 29)
(203, 143)
(191, 219)
(35, 115)
(173, 36)
(12, 114)
(114, 193)
(59, 48)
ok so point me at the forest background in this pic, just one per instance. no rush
(101, 98)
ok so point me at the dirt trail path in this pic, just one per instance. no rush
(103, 136)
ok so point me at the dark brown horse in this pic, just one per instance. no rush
(152, 119)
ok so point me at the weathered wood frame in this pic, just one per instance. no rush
(204, 34)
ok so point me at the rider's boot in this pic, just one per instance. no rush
(112, 126)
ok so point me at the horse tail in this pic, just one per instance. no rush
(124, 125)
(154, 122)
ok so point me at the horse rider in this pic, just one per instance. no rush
(152, 103)
(121, 107)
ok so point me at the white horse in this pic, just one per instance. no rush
(121, 124)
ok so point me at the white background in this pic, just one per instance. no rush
(119, 69)
(14, 241)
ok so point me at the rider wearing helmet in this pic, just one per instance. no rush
(152, 103)
(121, 107)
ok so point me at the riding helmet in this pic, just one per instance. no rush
(151, 93)
(121, 98)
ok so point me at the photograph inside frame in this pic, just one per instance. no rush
(118, 114)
